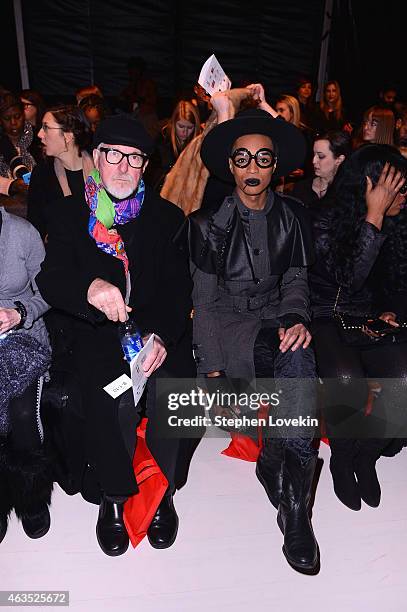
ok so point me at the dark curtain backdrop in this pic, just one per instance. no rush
(367, 50)
(71, 43)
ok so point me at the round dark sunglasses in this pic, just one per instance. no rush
(264, 158)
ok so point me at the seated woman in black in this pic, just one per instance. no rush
(65, 135)
(329, 151)
(361, 270)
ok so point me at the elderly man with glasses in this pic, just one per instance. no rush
(113, 258)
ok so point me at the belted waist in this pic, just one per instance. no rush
(246, 304)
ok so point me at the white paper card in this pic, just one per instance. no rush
(118, 386)
(212, 77)
(139, 379)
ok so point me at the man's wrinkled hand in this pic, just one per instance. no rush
(107, 298)
(294, 337)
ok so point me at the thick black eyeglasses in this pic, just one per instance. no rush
(113, 156)
(264, 158)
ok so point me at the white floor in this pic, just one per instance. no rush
(227, 556)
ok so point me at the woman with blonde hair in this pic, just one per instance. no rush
(332, 114)
(289, 108)
(182, 127)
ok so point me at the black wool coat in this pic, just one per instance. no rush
(160, 299)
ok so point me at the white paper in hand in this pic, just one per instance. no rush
(212, 77)
(138, 377)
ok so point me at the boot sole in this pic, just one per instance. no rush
(263, 483)
(306, 568)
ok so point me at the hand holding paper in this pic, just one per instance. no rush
(212, 77)
(156, 356)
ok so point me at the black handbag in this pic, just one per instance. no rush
(354, 330)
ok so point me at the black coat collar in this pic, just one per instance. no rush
(222, 249)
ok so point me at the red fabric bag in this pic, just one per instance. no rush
(140, 508)
(246, 448)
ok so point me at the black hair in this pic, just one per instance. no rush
(9, 100)
(72, 119)
(350, 213)
(339, 142)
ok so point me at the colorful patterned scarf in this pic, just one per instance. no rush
(104, 214)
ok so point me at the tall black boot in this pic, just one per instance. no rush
(342, 466)
(370, 449)
(6, 503)
(269, 469)
(30, 481)
(300, 546)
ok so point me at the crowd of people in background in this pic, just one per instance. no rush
(351, 181)
(21, 114)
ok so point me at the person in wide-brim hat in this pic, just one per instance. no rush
(288, 142)
(249, 262)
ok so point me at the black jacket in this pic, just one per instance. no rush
(364, 294)
(45, 197)
(160, 281)
(161, 303)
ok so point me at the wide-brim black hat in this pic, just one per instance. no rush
(288, 140)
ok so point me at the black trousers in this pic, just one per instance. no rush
(344, 369)
(110, 424)
(298, 396)
(26, 475)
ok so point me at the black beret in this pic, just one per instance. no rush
(123, 130)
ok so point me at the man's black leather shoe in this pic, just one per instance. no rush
(110, 529)
(164, 526)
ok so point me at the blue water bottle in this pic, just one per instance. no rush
(130, 339)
